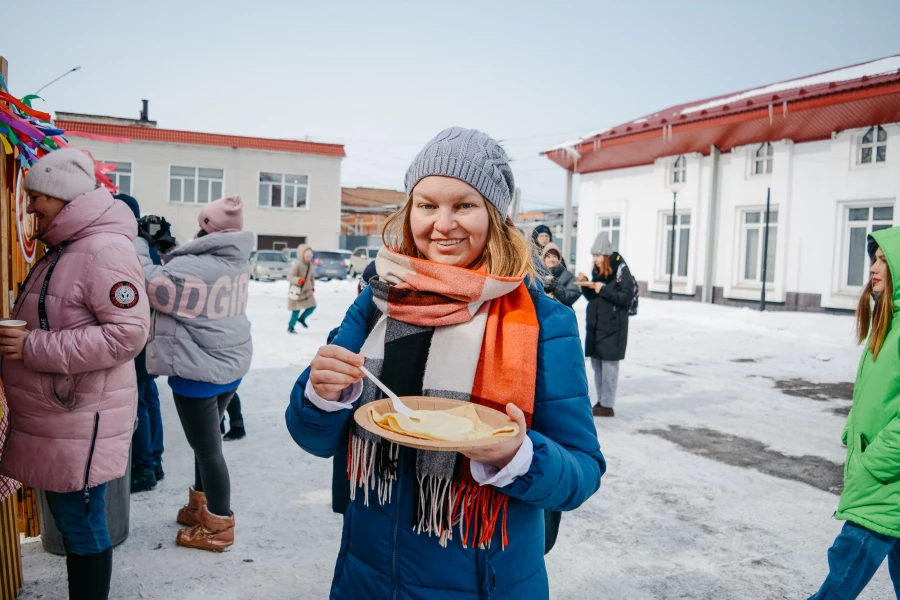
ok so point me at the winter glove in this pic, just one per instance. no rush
(300, 282)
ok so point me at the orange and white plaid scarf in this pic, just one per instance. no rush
(483, 349)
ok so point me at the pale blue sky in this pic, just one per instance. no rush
(383, 77)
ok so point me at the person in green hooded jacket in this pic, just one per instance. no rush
(870, 502)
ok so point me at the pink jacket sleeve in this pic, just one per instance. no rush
(122, 327)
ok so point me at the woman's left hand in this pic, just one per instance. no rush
(499, 455)
(12, 343)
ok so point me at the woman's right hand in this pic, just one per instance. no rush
(582, 277)
(333, 370)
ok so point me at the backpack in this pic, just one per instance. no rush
(636, 293)
(632, 310)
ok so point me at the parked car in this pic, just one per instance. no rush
(346, 254)
(269, 264)
(361, 258)
(290, 254)
(328, 264)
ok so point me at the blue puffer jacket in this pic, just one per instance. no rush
(382, 558)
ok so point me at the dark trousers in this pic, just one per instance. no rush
(83, 526)
(854, 557)
(235, 417)
(200, 418)
(147, 441)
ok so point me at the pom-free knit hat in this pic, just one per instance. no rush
(602, 245)
(222, 215)
(468, 155)
(132, 203)
(64, 174)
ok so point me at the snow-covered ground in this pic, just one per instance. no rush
(666, 523)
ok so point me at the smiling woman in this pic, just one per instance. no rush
(454, 313)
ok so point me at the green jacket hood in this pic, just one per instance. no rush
(889, 242)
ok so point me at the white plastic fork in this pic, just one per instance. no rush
(398, 404)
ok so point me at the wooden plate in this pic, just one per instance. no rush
(494, 418)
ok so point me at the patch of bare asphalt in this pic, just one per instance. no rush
(751, 454)
(815, 391)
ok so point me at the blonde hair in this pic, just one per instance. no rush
(506, 254)
(880, 322)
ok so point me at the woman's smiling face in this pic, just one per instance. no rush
(449, 221)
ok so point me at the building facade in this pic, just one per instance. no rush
(684, 191)
(291, 189)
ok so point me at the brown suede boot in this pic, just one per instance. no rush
(190, 513)
(214, 533)
(602, 411)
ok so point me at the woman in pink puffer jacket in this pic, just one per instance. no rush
(70, 376)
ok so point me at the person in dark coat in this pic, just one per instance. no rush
(541, 236)
(147, 441)
(609, 300)
(559, 283)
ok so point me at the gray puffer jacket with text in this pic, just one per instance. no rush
(199, 328)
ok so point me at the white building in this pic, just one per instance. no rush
(827, 149)
(291, 189)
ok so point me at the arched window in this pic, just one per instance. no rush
(678, 173)
(762, 162)
(873, 148)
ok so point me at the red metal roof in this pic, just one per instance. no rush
(804, 109)
(172, 136)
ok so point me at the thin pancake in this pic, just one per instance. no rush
(455, 425)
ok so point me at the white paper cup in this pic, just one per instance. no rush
(14, 324)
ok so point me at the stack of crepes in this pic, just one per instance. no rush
(460, 424)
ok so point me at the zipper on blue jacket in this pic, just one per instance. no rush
(395, 533)
(87, 470)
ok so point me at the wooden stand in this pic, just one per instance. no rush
(19, 513)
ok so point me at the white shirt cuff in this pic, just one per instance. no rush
(350, 395)
(485, 474)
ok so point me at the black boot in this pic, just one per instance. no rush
(291, 330)
(236, 432)
(143, 479)
(158, 471)
(303, 322)
(89, 575)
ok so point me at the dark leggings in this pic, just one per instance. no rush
(200, 418)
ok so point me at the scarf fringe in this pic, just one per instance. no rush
(440, 504)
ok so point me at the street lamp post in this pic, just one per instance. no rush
(672, 243)
(72, 70)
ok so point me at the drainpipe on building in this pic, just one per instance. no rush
(711, 228)
(567, 218)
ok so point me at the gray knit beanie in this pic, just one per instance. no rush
(64, 174)
(468, 155)
(602, 245)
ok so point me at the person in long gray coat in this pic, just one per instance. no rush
(200, 338)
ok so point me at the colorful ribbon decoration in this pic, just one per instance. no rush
(28, 134)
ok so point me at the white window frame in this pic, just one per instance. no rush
(743, 228)
(610, 228)
(764, 161)
(873, 146)
(283, 184)
(197, 177)
(662, 273)
(679, 170)
(844, 256)
(114, 175)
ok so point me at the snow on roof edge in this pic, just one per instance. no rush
(873, 68)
